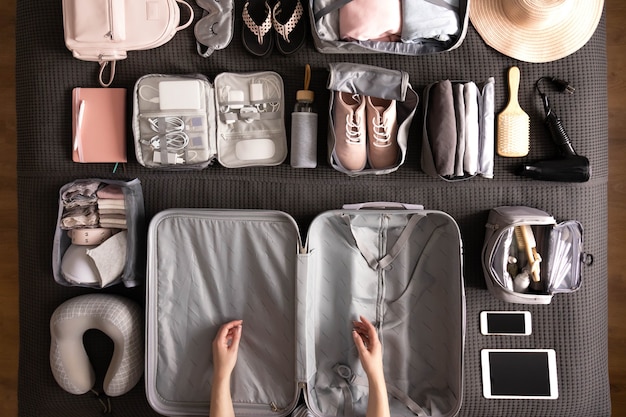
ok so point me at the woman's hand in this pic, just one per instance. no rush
(369, 348)
(225, 348)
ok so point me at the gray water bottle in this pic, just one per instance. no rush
(304, 127)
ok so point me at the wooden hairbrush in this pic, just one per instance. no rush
(513, 122)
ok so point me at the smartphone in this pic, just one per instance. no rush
(514, 323)
(519, 373)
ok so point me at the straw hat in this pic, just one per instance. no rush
(536, 30)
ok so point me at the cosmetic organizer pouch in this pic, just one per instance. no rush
(405, 27)
(104, 30)
(99, 240)
(365, 87)
(174, 121)
(458, 131)
(400, 266)
(528, 257)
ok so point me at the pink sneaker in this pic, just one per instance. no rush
(382, 132)
(350, 131)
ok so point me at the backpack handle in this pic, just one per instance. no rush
(103, 66)
(186, 24)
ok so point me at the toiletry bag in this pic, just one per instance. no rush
(401, 27)
(400, 266)
(516, 234)
(98, 240)
(360, 82)
(458, 130)
(183, 122)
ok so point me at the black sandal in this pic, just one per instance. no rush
(288, 19)
(257, 28)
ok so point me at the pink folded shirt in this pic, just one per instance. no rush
(377, 20)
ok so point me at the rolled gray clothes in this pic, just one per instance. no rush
(441, 127)
(459, 106)
(472, 129)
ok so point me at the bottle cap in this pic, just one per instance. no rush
(305, 95)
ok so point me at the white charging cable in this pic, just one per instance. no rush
(267, 91)
(175, 137)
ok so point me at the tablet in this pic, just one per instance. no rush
(519, 373)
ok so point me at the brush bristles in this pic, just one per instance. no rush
(513, 135)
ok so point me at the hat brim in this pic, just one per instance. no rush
(531, 45)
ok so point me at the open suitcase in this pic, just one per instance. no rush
(400, 266)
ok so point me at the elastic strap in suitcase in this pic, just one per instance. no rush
(347, 378)
(388, 259)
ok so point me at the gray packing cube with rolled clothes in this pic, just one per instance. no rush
(399, 266)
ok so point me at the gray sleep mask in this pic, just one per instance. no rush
(215, 28)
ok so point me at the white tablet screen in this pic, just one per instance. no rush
(519, 373)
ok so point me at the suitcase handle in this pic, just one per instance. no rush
(382, 205)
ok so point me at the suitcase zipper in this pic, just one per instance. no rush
(275, 408)
(380, 301)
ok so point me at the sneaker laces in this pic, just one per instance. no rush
(353, 129)
(382, 138)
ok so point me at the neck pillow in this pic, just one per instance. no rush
(118, 318)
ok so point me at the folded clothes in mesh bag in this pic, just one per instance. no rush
(97, 240)
(404, 27)
(528, 257)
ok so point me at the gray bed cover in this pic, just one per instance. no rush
(575, 325)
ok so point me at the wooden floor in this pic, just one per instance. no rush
(616, 44)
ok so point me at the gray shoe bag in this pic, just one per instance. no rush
(560, 249)
(324, 20)
(401, 267)
(134, 267)
(239, 120)
(483, 121)
(368, 80)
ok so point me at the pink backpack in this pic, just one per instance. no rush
(104, 30)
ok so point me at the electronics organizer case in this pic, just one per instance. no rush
(400, 268)
(167, 109)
